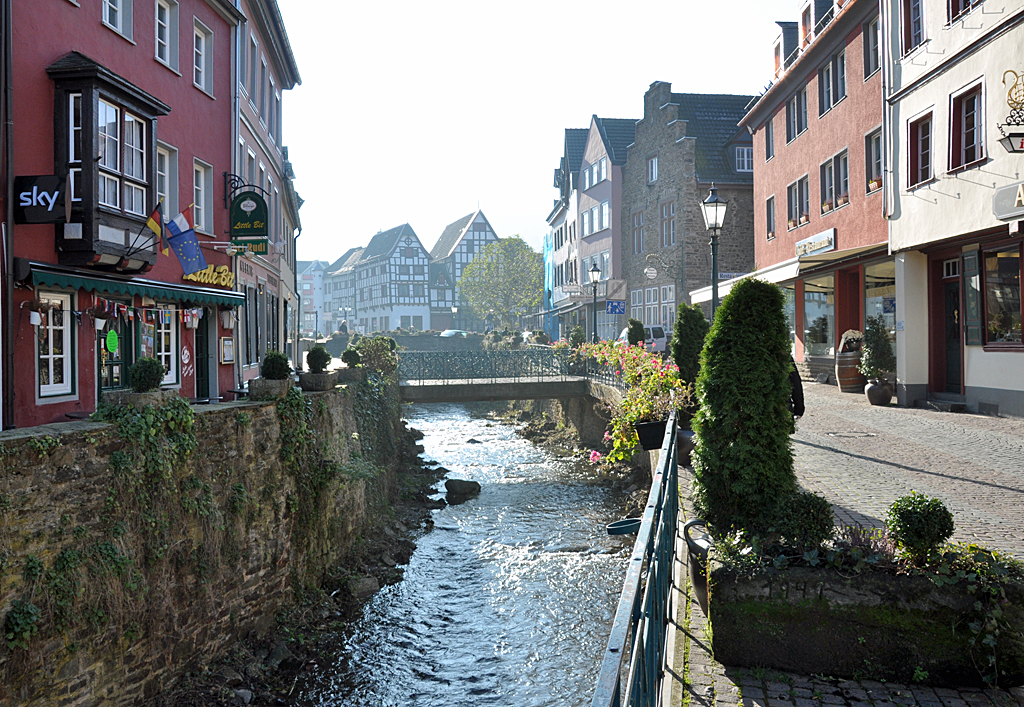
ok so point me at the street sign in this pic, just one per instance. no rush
(615, 306)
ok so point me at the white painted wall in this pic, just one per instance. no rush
(912, 310)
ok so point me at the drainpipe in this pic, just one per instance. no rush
(8, 234)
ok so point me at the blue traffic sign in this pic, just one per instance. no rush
(615, 306)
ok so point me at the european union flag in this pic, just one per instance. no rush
(186, 247)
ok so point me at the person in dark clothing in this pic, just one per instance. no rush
(796, 400)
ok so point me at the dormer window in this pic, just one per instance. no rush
(806, 26)
(778, 58)
(744, 159)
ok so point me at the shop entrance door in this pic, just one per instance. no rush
(953, 337)
(203, 355)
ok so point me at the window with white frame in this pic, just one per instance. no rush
(586, 179)
(254, 53)
(919, 155)
(585, 219)
(167, 33)
(636, 304)
(798, 202)
(263, 91)
(604, 168)
(652, 169)
(668, 224)
(835, 182)
(202, 186)
(770, 217)
(75, 145)
(167, 178)
(967, 145)
(668, 305)
(872, 53)
(277, 118)
(202, 65)
(912, 25)
(651, 310)
(769, 140)
(796, 114)
(606, 265)
(595, 224)
(166, 342)
(638, 232)
(594, 174)
(108, 122)
(606, 214)
(744, 159)
(117, 15)
(54, 349)
(134, 165)
(959, 8)
(873, 159)
(832, 82)
(270, 115)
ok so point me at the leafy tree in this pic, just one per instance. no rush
(743, 458)
(688, 339)
(877, 358)
(634, 332)
(576, 336)
(507, 277)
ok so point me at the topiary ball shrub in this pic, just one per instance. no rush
(688, 340)
(634, 332)
(351, 357)
(275, 366)
(317, 358)
(806, 521)
(919, 525)
(743, 458)
(146, 374)
(378, 353)
(576, 336)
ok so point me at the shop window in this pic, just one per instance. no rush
(159, 340)
(920, 152)
(880, 295)
(114, 363)
(819, 316)
(1002, 296)
(54, 345)
(966, 138)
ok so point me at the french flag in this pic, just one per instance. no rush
(181, 223)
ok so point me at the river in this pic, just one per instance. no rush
(507, 601)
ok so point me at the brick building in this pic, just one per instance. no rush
(683, 143)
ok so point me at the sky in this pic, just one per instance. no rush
(413, 112)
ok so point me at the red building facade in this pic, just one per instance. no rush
(819, 227)
(131, 103)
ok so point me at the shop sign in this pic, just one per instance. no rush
(248, 215)
(219, 275)
(820, 243)
(1008, 202)
(1014, 142)
(39, 199)
(257, 246)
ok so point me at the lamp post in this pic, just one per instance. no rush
(713, 209)
(594, 274)
(455, 311)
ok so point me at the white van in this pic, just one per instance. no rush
(655, 338)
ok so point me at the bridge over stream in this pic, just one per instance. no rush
(485, 376)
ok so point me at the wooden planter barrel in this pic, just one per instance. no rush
(850, 379)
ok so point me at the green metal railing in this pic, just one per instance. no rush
(636, 647)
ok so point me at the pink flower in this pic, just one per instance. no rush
(607, 436)
(595, 456)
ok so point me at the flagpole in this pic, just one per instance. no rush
(131, 248)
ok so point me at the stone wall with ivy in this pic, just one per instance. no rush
(129, 547)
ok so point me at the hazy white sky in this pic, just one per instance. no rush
(418, 112)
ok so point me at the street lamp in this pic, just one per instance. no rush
(595, 274)
(713, 209)
(455, 311)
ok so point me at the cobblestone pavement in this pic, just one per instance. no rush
(862, 458)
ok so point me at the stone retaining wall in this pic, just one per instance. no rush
(235, 552)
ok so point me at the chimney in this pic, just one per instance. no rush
(790, 42)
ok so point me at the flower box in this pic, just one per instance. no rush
(804, 218)
(843, 200)
(791, 223)
(826, 207)
(874, 184)
(269, 388)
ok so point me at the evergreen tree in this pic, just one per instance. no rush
(688, 340)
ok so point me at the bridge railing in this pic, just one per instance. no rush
(530, 363)
(636, 646)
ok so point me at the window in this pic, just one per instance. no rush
(202, 64)
(652, 169)
(134, 165)
(606, 215)
(115, 172)
(966, 136)
(1002, 296)
(585, 218)
(636, 304)
(796, 114)
(417, 290)
(873, 159)
(254, 53)
(109, 128)
(832, 83)
(117, 15)
(202, 209)
(403, 291)
(54, 350)
(668, 224)
(604, 168)
(958, 8)
(594, 173)
(798, 203)
(586, 179)
(270, 115)
(277, 118)
(920, 151)
(913, 25)
(167, 33)
(167, 178)
(166, 342)
(75, 145)
(872, 56)
(744, 159)
(263, 91)
(651, 311)
(769, 141)
(835, 182)
(595, 225)
(770, 217)
(638, 232)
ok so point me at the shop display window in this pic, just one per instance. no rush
(1002, 296)
(819, 316)
(880, 295)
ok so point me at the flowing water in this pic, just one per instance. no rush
(507, 601)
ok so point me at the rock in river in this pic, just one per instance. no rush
(460, 490)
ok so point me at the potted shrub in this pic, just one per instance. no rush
(877, 361)
(848, 375)
(275, 378)
(875, 184)
(352, 370)
(826, 207)
(634, 332)
(317, 360)
(804, 218)
(144, 378)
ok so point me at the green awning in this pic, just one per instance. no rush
(47, 276)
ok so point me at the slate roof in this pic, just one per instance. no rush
(350, 257)
(575, 146)
(617, 134)
(714, 120)
(450, 237)
(384, 242)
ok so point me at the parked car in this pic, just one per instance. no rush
(654, 338)
(449, 333)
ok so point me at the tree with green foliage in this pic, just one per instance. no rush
(507, 277)
(576, 336)
(743, 458)
(688, 340)
(634, 332)
(877, 358)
